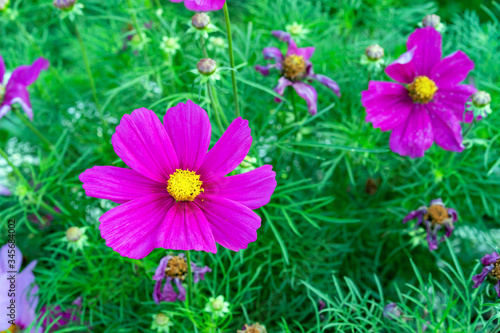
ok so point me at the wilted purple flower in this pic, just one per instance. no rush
(295, 68)
(434, 218)
(25, 297)
(391, 311)
(64, 4)
(429, 102)
(14, 91)
(57, 318)
(174, 269)
(491, 263)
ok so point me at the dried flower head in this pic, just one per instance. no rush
(254, 328)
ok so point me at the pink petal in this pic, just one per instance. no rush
(387, 104)
(309, 94)
(446, 127)
(306, 52)
(16, 93)
(118, 184)
(252, 189)
(143, 144)
(27, 74)
(428, 51)
(282, 36)
(402, 69)
(489, 259)
(204, 5)
(131, 229)
(4, 259)
(189, 129)
(2, 69)
(413, 136)
(454, 99)
(452, 70)
(228, 152)
(234, 225)
(327, 82)
(280, 88)
(186, 228)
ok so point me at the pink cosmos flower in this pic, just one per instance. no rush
(295, 68)
(428, 104)
(14, 90)
(26, 300)
(176, 195)
(202, 5)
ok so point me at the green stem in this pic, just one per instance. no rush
(469, 128)
(190, 277)
(89, 73)
(292, 98)
(203, 48)
(231, 60)
(214, 107)
(222, 115)
(28, 124)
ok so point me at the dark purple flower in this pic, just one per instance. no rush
(26, 299)
(428, 103)
(14, 91)
(491, 263)
(174, 269)
(57, 318)
(434, 218)
(295, 68)
(391, 311)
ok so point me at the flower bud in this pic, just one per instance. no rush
(374, 52)
(481, 98)
(73, 234)
(206, 66)
(431, 21)
(4, 4)
(200, 21)
(64, 4)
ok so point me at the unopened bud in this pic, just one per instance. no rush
(206, 66)
(481, 98)
(200, 21)
(3, 5)
(374, 52)
(64, 4)
(431, 21)
(73, 234)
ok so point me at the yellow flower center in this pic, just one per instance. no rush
(422, 89)
(177, 268)
(495, 272)
(437, 214)
(294, 67)
(12, 329)
(2, 90)
(184, 185)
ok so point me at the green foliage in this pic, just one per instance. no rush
(322, 236)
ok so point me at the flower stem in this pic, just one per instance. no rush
(203, 47)
(469, 128)
(214, 107)
(89, 73)
(28, 124)
(16, 170)
(231, 60)
(190, 277)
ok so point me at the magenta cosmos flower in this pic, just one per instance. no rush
(25, 297)
(434, 218)
(14, 90)
(202, 5)
(491, 263)
(176, 195)
(428, 103)
(296, 68)
(174, 269)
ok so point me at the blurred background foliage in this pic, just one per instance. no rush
(333, 229)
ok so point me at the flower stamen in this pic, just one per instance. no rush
(176, 268)
(184, 185)
(294, 67)
(422, 89)
(495, 272)
(437, 214)
(12, 329)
